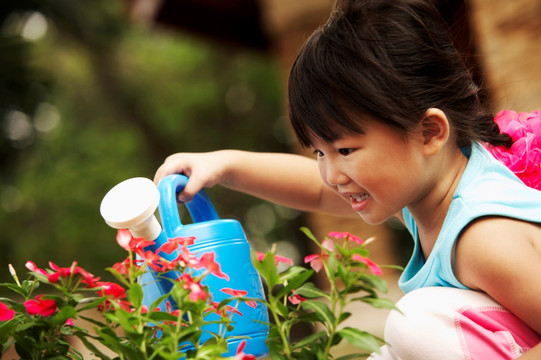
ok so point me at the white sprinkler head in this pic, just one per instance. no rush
(131, 205)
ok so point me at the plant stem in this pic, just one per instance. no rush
(283, 337)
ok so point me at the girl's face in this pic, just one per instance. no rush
(378, 172)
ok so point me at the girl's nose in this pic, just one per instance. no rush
(333, 175)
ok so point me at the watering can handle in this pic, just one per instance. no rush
(200, 208)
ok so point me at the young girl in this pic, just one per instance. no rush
(396, 123)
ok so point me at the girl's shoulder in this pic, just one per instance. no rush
(488, 187)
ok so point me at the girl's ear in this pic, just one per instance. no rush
(435, 130)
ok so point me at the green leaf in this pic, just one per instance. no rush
(92, 321)
(64, 314)
(94, 303)
(135, 295)
(375, 282)
(361, 339)
(16, 288)
(321, 309)
(309, 290)
(158, 302)
(377, 302)
(291, 272)
(267, 269)
(295, 282)
(396, 267)
(343, 316)
(309, 339)
(281, 309)
(121, 278)
(352, 356)
(310, 235)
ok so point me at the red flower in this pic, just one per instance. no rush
(374, 268)
(240, 355)
(316, 260)
(207, 261)
(111, 289)
(347, 236)
(6, 313)
(124, 266)
(173, 244)
(43, 307)
(239, 293)
(62, 272)
(90, 280)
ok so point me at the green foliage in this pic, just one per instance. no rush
(104, 100)
(38, 327)
(293, 300)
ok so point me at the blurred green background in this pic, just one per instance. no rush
(89, 99)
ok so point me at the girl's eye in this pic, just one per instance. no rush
(318, 153)
(345, 151)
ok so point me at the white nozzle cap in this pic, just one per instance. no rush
(131, 205)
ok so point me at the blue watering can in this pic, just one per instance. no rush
(132, 203)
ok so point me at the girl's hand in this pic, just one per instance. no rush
(202, 169)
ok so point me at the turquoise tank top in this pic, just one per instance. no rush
(487, 187)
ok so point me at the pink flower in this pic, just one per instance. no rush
(233, 292)
(207, 261)
(123, 238)
(186, 258)
(282, 259)
(296, 299)
(239, 293)
(69, 322)
(6, 313)
(316, 260)
(347, 236)
(32, 267)
(43, 307)
(374, 268)
(213, 306)
(524, 156)
(240, 355)
(152, 259)
(277, 258)
(197, 292)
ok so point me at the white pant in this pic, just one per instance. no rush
(440, 323)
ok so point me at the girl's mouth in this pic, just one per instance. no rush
(359, 201)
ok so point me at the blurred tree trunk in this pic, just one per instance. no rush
(508, 34)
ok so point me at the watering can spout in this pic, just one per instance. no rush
(131, 205)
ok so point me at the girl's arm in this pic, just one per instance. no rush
(286, 179)
(502, 257)
(533, 354)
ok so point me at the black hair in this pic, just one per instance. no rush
(386, 60)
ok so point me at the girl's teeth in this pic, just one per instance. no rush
(359, 197)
